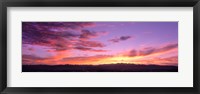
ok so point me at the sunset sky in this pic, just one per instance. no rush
(94, 43)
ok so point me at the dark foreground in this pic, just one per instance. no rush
(99, 68)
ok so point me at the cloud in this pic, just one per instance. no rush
(59, 39)
(168, 47)
(97, 50)
(147, 51)
(31, 49)
(31, 59)
(90, 44)
(97, 59)
(122, 38)
(173, 60)
(86, 34)
(56, 26)
(34, 60)
(51, 39)
(60, 36)
(133, 53)
(125, 37)
(89, 49)
(63, 57)
(151, 50)
(83, 48)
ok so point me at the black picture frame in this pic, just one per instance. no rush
(100, 3)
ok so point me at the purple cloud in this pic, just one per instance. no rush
(150, 50)
(133, 53)
(59, 35)
(122, 38)
(89, 49)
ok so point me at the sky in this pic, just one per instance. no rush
(95, 43)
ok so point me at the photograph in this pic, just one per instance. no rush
(101, 46)
(88, 46)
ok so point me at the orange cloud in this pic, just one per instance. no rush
(91, 60)
(159, 61)
(32, 59)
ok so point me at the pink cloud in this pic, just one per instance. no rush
(152, 50)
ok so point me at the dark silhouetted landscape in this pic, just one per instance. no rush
(99, 68)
